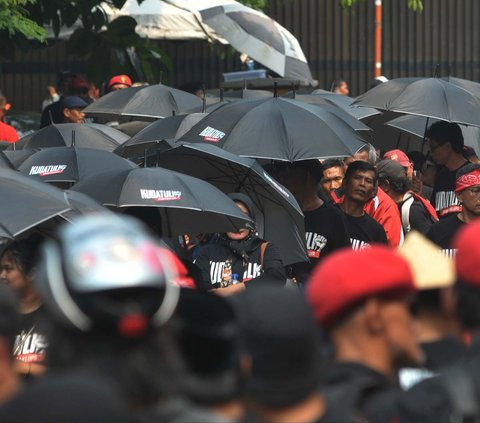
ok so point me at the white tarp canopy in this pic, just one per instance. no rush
(156, 19)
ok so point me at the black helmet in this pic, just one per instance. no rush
(106, 273)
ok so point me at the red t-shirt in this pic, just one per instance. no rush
(8, 133)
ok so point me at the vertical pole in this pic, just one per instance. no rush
(378, 38)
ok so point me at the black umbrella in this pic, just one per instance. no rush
(277, 129)
(415, 125)
(325, 104)
(27, 203)
(186, 205)
(345, 102)
(449, 99)
(171, 127)
(143, 103)
(89, 135)
(5, 163)
(71, 164)
(17, 157)
(278, 215)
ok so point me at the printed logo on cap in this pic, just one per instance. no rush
(211, 134)
(47, 170)
(160, 195)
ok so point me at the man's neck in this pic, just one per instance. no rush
(353, 208)
(465, 216)
(455, 161)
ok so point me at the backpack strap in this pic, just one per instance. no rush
(405, 212)
(263, 247)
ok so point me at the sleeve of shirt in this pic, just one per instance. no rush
(274, 271)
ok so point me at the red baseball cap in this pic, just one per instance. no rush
(347, 277)
(120, 79)
(467, 244)
(398, 156)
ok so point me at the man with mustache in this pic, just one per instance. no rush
(360, 183)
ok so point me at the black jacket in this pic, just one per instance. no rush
(243, 258)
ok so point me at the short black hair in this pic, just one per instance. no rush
(443, 132)
(470, 167)
(360, 165)
(23, 253)
(329, 163)
(336, 83)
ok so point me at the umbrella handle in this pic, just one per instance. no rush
(425, 134)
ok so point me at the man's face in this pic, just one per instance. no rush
(74, 115)
(332, 179)
(440, 153)
(399, 333)
(361, 186)
(470, 199)
(343, 89)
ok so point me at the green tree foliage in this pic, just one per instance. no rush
(415, 5)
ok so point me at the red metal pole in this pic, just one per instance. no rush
(378, 38)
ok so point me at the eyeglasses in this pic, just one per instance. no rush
(474, 190)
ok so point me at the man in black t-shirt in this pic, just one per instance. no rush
(416, 212)
(325, 226)
(360, 183)
(467, 190)
(446, 147)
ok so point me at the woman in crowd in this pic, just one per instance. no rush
(17, 270)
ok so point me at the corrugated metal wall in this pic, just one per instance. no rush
(337, 43)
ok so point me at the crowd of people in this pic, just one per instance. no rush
(108, 321)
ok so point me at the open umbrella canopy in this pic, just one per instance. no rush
(142, 103)
(253, 33)
(345, 102)
(326, 104)
(450, 99)
(276, 129)
(171, 127)
(27, 203)
(89, 135)
(185, 204)
(415, 125)
(5, 163)
(71, 164)
(279, 218)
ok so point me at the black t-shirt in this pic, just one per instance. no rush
(30, 343)
(325, 231)
(443, 195)
(442, 233)
(53, 113)
(419, 219)
(364, 231)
